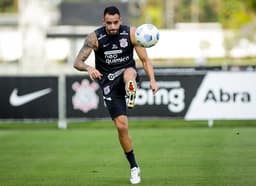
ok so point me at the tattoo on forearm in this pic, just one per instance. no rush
(84, 53)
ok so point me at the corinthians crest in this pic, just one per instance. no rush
(85, 98)
(123, 42)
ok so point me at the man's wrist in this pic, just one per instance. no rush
(86, 67)
(152, 80)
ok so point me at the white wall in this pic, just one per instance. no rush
(172, 44)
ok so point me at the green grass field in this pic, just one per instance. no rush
(173, 152)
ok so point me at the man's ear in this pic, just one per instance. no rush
(121, 20)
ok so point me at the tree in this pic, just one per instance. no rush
(251, 4)
(233, 14)
(8, 6)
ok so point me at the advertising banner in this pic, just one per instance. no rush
(84, 97)
(172, 99)
(29, 97)
(225, 95)
(190, 96)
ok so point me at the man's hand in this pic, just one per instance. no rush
(93, 73)
(154, 87)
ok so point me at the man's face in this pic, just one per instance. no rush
(112, 23)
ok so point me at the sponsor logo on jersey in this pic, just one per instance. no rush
(114, 47)
(101, 36)
(124, 33)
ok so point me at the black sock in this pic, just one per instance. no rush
(131, 159)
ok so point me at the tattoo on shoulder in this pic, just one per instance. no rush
(91, 41)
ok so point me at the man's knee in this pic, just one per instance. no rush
(130, 73)
(121, 123)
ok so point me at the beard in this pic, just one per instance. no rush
(112, 31)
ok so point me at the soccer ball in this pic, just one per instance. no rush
(147, 35)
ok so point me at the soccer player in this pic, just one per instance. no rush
(115, 71)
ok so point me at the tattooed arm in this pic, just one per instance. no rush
(90, 43)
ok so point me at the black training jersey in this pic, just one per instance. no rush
(114, 52)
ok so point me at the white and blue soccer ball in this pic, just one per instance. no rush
(147, 35)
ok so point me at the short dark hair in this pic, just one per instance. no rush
(112, 10)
